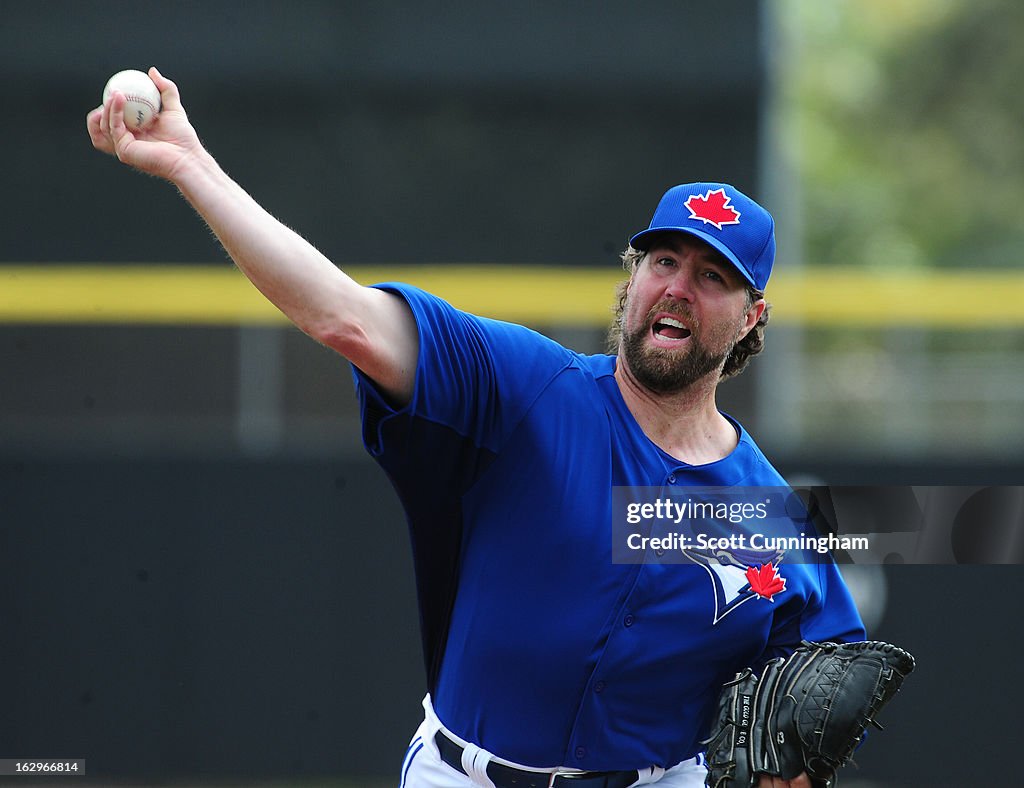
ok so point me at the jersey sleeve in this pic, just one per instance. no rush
(475, 378)
(828, 614)
(835, 617)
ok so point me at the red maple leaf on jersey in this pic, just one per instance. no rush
(766, 582)
(713, 208)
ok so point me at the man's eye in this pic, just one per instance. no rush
(714, 276)
(668, 261)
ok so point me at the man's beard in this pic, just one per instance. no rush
(663, 370)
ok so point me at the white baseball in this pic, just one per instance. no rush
(143, 97)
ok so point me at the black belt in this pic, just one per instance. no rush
(509, 777)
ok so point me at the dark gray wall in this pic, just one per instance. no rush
(185, 618)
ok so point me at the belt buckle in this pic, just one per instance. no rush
(567, 775)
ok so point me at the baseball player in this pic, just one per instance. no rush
(547, 662)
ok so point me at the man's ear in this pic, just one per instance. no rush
(753, 315)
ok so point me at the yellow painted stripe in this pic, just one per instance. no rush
(948, 299)
(220, 295)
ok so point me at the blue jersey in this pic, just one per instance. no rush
(538, 647)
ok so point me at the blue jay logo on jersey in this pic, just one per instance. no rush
(737, 576)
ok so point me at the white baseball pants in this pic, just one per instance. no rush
(423, 767)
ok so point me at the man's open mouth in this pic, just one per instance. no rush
(667, 328)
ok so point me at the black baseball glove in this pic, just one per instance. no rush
(807, 712)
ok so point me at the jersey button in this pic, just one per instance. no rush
(581, 752)
(599, 687)
(628, 620)
(672, 479)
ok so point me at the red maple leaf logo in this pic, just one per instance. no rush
(713, 208)
(766, 582)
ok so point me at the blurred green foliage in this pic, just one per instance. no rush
(901, 119)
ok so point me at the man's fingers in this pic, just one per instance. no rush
(100, 141)
(108, 108)
(169, 96)
(120, 137)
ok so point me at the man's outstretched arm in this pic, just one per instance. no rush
(372, 329)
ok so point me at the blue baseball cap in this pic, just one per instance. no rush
(723, 216)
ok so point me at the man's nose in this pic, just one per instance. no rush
(681, 286)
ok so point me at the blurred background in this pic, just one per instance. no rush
(204, 579)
